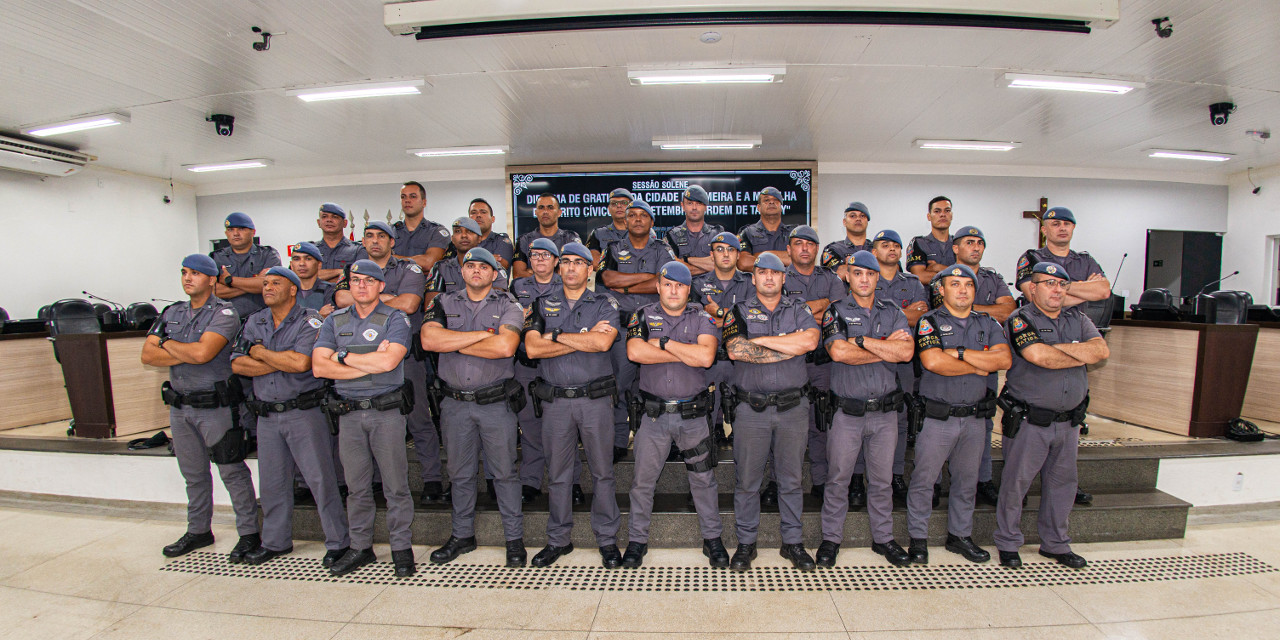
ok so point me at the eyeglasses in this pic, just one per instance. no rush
(540, 255)
(1052, 283)
(362, 281)
(723, 249)
(574, 262)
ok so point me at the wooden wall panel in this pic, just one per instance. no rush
(31, 384)
(1262, 399)
(136, 388)
(1149, 379)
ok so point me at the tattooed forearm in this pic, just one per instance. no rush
(744, 350)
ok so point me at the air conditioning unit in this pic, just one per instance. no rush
(42, 160)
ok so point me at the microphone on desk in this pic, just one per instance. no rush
(1233, 273)
(110, 302)
(163, 300)
(1117, 278)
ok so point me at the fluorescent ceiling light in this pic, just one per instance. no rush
(1070, 83)
(967, 145)
(707, 144)
(78, 124)
(362, 90)
(1188, 155)
(446, 152)
(737, 75)
(224, 166)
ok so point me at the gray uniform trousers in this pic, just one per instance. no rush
(653, 443)
(1051, 453)
(301, 440)
(366, 439)
(959, 439)
(625, 372)
(469, 428)
(720, 374)
(757, 436)
(874, 436)
(565, 421)
(426, 440)
(820, 378)
(900, 450)
(984, 465)
(193, 431)
(533, 457)
(301, 481)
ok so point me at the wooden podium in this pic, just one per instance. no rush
(84, 369)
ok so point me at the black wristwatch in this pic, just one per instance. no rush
(227, 280)
(662, 342)
(960, 354)
(555, 335)
(858, 341)
(720, 313)
(342, 356)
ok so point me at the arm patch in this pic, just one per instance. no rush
(1021, 333)
(735, 326)
(926, 338)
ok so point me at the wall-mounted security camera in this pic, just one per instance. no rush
(1220, 111)
(1164, 28)
(266, 40)
(222, 123)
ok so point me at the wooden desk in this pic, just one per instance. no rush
(1184, 378)
(1262, 399)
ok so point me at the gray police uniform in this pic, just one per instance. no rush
(926, 248)
(821, 284)
(246, 265)
(623, 257)
(499, 244)
(469, 427)
(757, 433)
(533, 462)
(446, 276)
(319, 295)
(672, 381)
(368, 437)
(195, 430)
(427, 235)
(687, 244)
(568, 419)
(290, 437)
(561, 237)
(1049, 452)
(959, 438)
(1079, 265)
(903, 291)
(340, 256)
(601, 237)
(874, 434)
(755, 238)
(708, 288)
(837, 252)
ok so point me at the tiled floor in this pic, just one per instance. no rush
(68, 575)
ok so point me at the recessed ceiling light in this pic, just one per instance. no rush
(707, 144)
(359, 90)
(253, 163)
(736, 75)
(445, 152)
(967, 145)
(1070, 83)
(1188, 155)
(77, 124)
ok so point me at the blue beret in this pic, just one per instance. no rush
(724, 237)
(575, 249)
(696, 194)
(480, 254)
(1059, 213)
(770, 261)
(202, 263)
(1050, 268)
(888, 234)
(804, 232)
(858, 206)
(621, 193)
(381, 226)
(307, 248)
(368, 268)
(676, 272)
(287, 274)
(470, 225)
(956, 270)
(863, 260)
(546, 245)
(642, 205)
(966, 232)
(238, 219)
(770, 191)
(334, 209)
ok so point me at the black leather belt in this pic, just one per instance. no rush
(484, 395)
(304, 401)
(858, 407)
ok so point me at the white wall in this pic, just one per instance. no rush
(1252, 219)
(105, 231)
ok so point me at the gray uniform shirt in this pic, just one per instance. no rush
(297, 332)
(1055, 389)
(340, 256)
(926, 248)
(845, 320)
(938, 329)
(687, 244)
(552, 310)
(561, 237)
(402, 276)
(184, 324)
(751, 319)
(446, 277)
(320, 294)
(602, 237)
(246, 265)
(819, 285)
(671, 380)
(457, 312)
(359, 334)
(623, 257)
(708, 288)
(903, 290)
(1078, 265)
(990, 287)
(756, 238)
(835, 253)
(428, 235)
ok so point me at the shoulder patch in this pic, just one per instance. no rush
(444, 232)
(1018, 324)
(925, 328)
(1023, 261)
(613, 303)
(228, 312)
(413, 266)
(314, 322)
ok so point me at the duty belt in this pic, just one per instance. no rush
(784, 400)
(598, 388)
(984, 408)
(1040, 416)
(694, 407)
(222, 395)
(304, 401)
(484, 395)
(858, 407)
(385, 402)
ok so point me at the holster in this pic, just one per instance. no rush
(332, 407)
(537, 395)
(1013, 414)
(235, 443)
(434, 393)
(915, 416)
(729, 402)
(635, 409)
(823, 409)
(707, 446)
(514, 394)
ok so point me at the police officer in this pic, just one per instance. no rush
(767, 234)
(767, 337)
(718, 290)
(416, 238)
(314, 292)
(498, 243)
(1044, 399)
(674, 343)
(274, 350)
(602, 237)
(992, 297)
(193, 338)
(336, 251)
(362, 349)
(446, 274)
(1088, 282)
(866, 338)
(959, 349)
(930, 253)
(241, 264)
(629, 267)
(547, 210)
(836, 254)
(690, 241)
(476, 332)
(568, 332)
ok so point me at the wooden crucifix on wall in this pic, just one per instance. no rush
(1038, 216)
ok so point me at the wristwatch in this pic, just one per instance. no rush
(227, 280)
(858, 341)
(342, 356)
(960, 354)
(720, 313)
(555, 335)
(662, 342)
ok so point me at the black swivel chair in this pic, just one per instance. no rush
(1100, 311)
(71, 316)
(1156, 304)
(1232, 307)
(139, 316)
